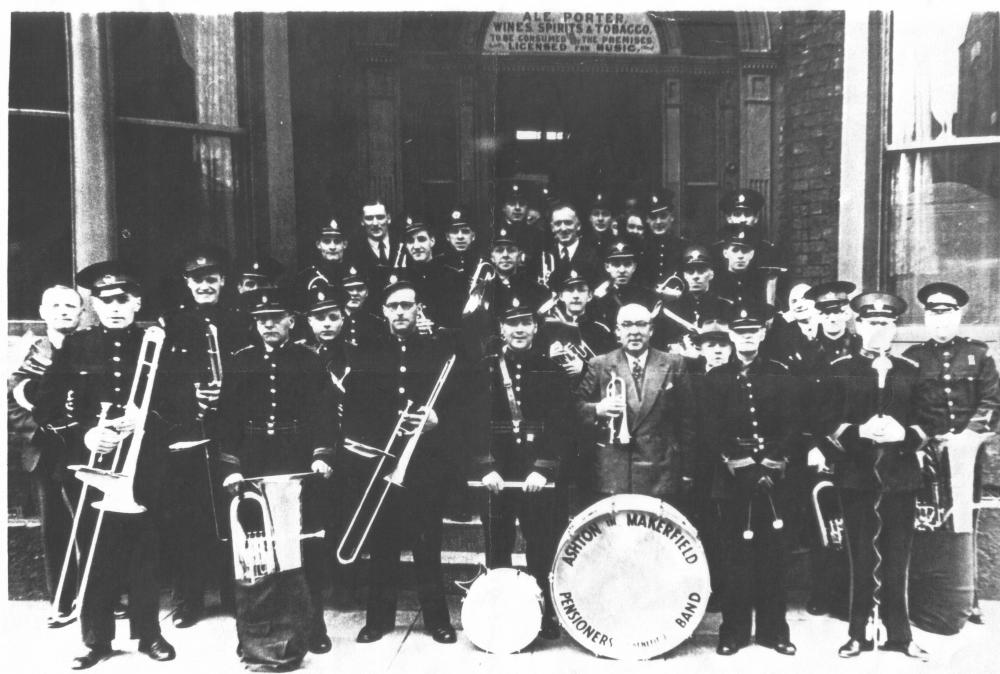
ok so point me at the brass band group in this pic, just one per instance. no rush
(554, 368)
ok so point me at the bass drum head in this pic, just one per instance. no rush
(630, 580)
(502, 611)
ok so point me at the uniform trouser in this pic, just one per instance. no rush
(894, 543)
(195, 553)
(537, 514)
(754, 574)
(127, 550)
(413, 513)
(57, 503)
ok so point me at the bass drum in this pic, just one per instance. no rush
(502, 611)
(630, 580)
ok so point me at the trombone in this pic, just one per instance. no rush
(117, 486)
(371, 502)
(618, 426)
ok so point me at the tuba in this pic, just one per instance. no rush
(618, 426)
(117, 485)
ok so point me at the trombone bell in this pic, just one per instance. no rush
(117, 489)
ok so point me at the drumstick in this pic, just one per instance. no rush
(508, 485)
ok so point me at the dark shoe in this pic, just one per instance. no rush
(320, 644)
(185, 617)
(726, 648)
(908, 648)
(785, 648)
(550, 630)
(444, 635)
(853, 648)
(976, 617)
(63, 619)
(369, 634)
(158, 649)
(91, 657)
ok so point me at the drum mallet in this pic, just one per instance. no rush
(507, 485)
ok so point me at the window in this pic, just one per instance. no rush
(39, 213)
(180, 147)
(943, 157)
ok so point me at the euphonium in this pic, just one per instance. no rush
(616, 389)
(117, 486)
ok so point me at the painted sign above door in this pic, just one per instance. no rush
(571, 33)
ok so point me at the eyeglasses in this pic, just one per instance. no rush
(400, 306)
(625, 325)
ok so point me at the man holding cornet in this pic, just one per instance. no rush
(93, 371)
(638, 402)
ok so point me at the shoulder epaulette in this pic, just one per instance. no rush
(909, 360)
(844, 357)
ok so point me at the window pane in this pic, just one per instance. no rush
(153, 68)
(945, 75)
(174, 188)
(945, 226)
(40, 230)
(38, 61)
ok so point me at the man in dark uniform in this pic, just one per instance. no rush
(828, 566)
(441, 288)
(376, 251)
(661, 258)
(530, 433)
(958, 399)
(620, 266)
(187, 371)
(738, 278)
(94, 368)
(461, 252)
(600, 230)
(530, 239)
(56, 494)
(566, 250)
(324, 311)
(276, 419)
(696, 302)
(507, 258)
(572, 323)
(328, 263)
(397, 366)
(360, 323)
(743, 208)
(258, 273)
(872, 430)
(751, 427)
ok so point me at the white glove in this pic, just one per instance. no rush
(322, 468)
(816, 460)
(493, 481)
(534, 482)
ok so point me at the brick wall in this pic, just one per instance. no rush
(813, 44)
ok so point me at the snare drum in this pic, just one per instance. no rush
(630, 580)
(502, 611)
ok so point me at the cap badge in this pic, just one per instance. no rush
(393, 279)
(515, 303)
(878, 305)
(455, 215)
(108, 279)
(256, 266)
(320, 296)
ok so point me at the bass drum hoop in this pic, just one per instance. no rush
(502, 611)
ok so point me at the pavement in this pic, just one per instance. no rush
(210, 646)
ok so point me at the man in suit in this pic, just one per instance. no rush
(567, 250)
(375, 250)
(55, 496)
(657, 409)
(872, 433)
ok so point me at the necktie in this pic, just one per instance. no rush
(383, 254)
(637, 375)
(565, 254)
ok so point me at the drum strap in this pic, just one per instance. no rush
(516, 418)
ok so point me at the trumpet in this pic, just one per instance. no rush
(371, 501)
(616, 389)
(548, 266)
(425, 326)
(483, 274)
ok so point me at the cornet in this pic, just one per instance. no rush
(483, 274)
(616, 389)
(548, 266)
